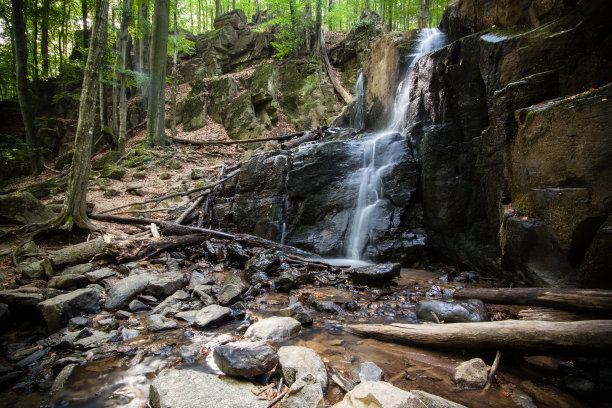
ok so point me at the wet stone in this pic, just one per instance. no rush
(96, 339)
(63, 362)
(229, 294)
(125, 290)
(62, 377)
(37, 355)
(164, 286)
(77, 322)
(148, 299)
(327, 306)
(298, 312)
(97, 276)
(70, 338)
(368, 371)
(127, 334)
(189, 352)
(297, 362)
(471, 374)
(375, 273)
(213, 315)
(171, 305)
(188, 315)
(137, 306)
(58, 310)
(156, 322)
(122, 315)
(81, 269)
(67, 281)
(245, 359)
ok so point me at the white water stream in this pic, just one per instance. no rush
(381, 152)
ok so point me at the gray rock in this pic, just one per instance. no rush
(58, 310)
(22, 209)
(291, 278)
(81, 269)
(35, 356)
(195, 279)
(427, 400)
(67, 281)
(297, 362)
(273, 328)
(97, 276)
(96, 339)
(70, 338)
(124, 291)
(31, 270)
(304, 393)
(298, 312)
(157, 322)
(188, 315)
(453, 311)
(368, 371)
(137, 306)
(245, 359)
(375, 273)
(213, 315)
(122, 315)
(22, 353)
(188, 388)
(18, 299)
(189, 352)
(127, 334)
(471, 374)
(63, 362)
(77, 322)
(265, 261)
(378, 394)
(203, 292)
(171, 305)
(164, 286)
(62, 377)
(327, 306)
(229, 294)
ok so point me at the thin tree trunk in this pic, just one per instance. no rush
(116, 80)
(125, 23)
(318, 26)
(75, 205)
(44, 39)
(217, 8)
(156, 134)
(84, 9)
(174, 79)
(23, 91)
(308, 20)
(35, 44)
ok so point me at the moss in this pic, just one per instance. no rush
(523, 203)
(113, 172)
(109, 158)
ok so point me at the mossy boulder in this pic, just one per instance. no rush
(240, 120)
(48, 187)
(64, 161)
(220, 92)
(22, 209)
(109, 158)
(113, 172)
(302, 96)
(194, 112)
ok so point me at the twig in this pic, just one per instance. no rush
(230, 142)
(49, 168)
(155, 231)
(278, 398)
(192, 207)
(280, 386)
(160, 199)
(494, 368)
(261, 390)
(150, 210)
(435, 316)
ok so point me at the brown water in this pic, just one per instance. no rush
(123, 379)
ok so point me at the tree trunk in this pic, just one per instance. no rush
(423, 13)
(84, 10)
(554, 315)
(35, 44)
(174, 79)
(308, 21)
(156, 133)
(592, 300)
(318, 26)
(75, 205)
(217, 8)
(44, 39)
(143, 32)
(125, 23)
(584, 336)
(115, 94)
(24, 94)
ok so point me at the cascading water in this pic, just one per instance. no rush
(358, 122)
(380, 153)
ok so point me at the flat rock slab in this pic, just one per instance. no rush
(59, 309)
(245, 359)
(97, 276)
(157, 322)
(124, 291)
(190, 388)
(213, 315)
(375, 273)
(273, 328)
(16, 298)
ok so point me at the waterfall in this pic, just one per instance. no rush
(358, 121)
(380, 153)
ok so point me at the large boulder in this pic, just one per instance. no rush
(302, 95)
(59, 309)
(23, 209)
(375, 273)
(453, 311)
(188, 388)
(193, 115)
(245, 359)
(297, 362)
(240, 120)
(220, 92)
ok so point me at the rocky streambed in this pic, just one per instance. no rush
(228, 325)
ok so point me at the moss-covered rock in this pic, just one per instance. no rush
(240, 120)
(22, 209)
(48, 187)
(220, 92)
(113, 172)
(109, 158)
(194, 112)
(64, 161)
(302, 96)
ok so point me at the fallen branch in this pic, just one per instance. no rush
(341, 380)
(554, 315)
(278, 398)
(593, 300)
(139, 249)
(330, 72)
(494, 368)
(584, 336)
(182, 193)
(231, 142)
(188, 211)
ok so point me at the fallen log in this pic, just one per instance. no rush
(231, 142)
(592, 300)
(139, 249)
(585, 336)
(555, 315)
(332, 77)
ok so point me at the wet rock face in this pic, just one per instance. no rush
(245, 359)
(375, 273)
(471, 310)
(496, 100)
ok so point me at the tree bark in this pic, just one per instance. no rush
(592, 300)
(156, 133)
(125, 23)
(44, 39)
(75, 204)
(174, 79)
(330, 72)
(585, 336)
(231, 142)
(24, 93)
(554, 315)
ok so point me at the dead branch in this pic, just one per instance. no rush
(188, 211)
(230, 142)
(494, 368)
(330, 72)
(182, 193)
